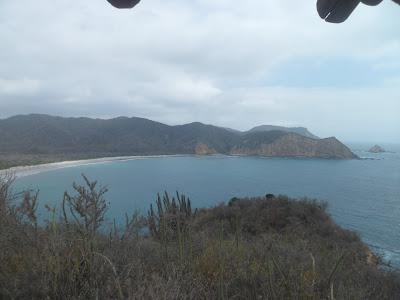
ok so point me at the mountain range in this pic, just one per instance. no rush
(70, 138)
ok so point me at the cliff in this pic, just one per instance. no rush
(293, 145)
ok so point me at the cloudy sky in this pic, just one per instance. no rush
(177, 61)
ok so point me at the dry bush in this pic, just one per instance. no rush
(260, 248)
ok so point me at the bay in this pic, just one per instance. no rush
(362, 195)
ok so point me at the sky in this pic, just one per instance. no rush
(228, 63)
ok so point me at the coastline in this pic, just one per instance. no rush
(27, 170)
(23, 171)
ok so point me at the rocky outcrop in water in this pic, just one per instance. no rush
(376, 149)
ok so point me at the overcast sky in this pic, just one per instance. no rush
(176, 61)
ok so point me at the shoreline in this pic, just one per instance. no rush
(27, 170)
(23, 171)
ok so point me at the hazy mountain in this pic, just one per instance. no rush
(84, 137)
(299, 130)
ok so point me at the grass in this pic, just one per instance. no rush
(260, 248)
(4, 165)
(10, 162)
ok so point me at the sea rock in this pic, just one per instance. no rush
(376, 149)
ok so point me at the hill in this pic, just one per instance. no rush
(47, 138)
(261, 248)
(299, 130)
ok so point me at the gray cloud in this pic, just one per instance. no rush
(211, 61)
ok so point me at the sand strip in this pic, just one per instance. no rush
(22, 171)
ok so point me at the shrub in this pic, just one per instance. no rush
(275, 248)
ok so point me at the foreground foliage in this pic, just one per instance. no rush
(261, 248)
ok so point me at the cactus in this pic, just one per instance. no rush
(172, 214)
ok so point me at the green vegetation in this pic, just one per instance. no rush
(47, 138)
(17, 159)
(3, 165)
(275, 248)
(6, 163)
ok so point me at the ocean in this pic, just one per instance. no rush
(362, 195)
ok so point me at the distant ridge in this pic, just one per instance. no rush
(55, 138)
(299, 130)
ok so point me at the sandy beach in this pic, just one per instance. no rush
(22, 171)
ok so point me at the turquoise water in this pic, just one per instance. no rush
(363, 195)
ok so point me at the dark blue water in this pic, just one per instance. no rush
(363, 195)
